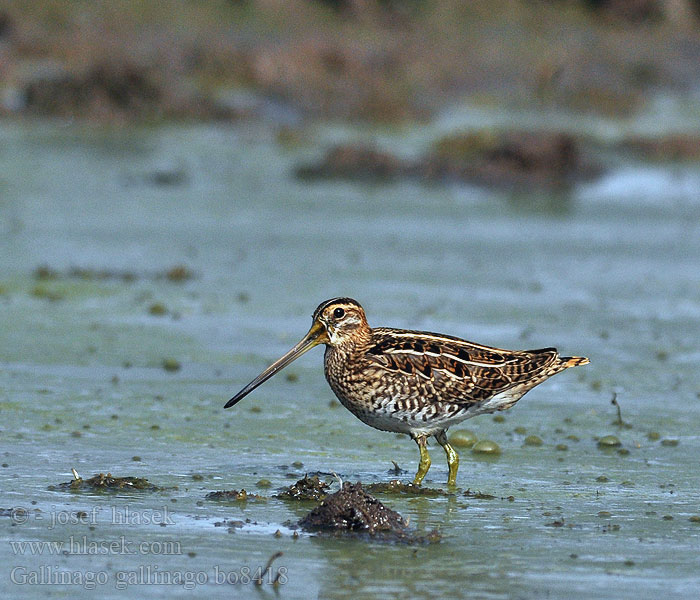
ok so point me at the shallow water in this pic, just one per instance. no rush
(609, 271)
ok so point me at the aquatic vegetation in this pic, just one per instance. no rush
(107, 482)
(307, 488)
(463, 438)
(487, 447)
(233, 495)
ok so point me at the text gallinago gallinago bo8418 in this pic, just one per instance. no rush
(415, 382)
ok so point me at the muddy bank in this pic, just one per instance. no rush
(352, 511)
(118, 91)
(233, 496)
(108, 482)
(307, 488)
(679, 147)
(494, 158)
(364, 60)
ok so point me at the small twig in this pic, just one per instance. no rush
(75, 474)
(614, 402)
(274, 557)
(340, 481)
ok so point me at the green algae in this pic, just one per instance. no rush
(107, 482)
(486, 447)
(463, 438)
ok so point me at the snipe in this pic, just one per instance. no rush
(415, 382)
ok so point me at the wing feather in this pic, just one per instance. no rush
(460, 371)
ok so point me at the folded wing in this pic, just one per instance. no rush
(457, 370)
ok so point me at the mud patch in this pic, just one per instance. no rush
(233, 496)
(117, 90)
(307, 488)
(353, 511)
(677, 147)
(536, 159)
(174, 274)
(108, 482)
(396, 487)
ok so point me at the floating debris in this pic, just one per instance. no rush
(43, 292)
(171, 365)
(479, 495)
(268, 566)
(673, 147)
(536, 159)
(609, 441)
(619, 422)
(101, 482)
(557, 523)
(351, 510)
(307, 488)
(166, 176)
(175, 274)
(533, 440)
(18, 512)
(355, 162)
(157, 309)
(232, 495)
(231, 525)
(463, 438)
(397, 487)
(45, 273)
(179, 273)
(486, 447)
(396, 470)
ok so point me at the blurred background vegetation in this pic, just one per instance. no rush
(369, 60)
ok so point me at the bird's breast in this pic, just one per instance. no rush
(350, 377)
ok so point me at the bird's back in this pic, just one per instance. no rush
(450, 369)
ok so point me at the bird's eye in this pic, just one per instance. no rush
(338, 313)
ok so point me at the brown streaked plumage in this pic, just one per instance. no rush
(415, 382)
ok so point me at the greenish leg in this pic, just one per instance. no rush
(424, 464)
(452, 457)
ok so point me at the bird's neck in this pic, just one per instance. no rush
(357, 343)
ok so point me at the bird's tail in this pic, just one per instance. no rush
(573, 361)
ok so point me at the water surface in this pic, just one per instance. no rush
(609, 271)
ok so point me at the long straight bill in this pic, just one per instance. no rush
(316, 335)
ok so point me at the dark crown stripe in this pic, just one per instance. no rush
(327, 303)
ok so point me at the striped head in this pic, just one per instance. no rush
(343, 320)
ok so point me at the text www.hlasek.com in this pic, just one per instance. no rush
(147, 575)
(81, 545)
